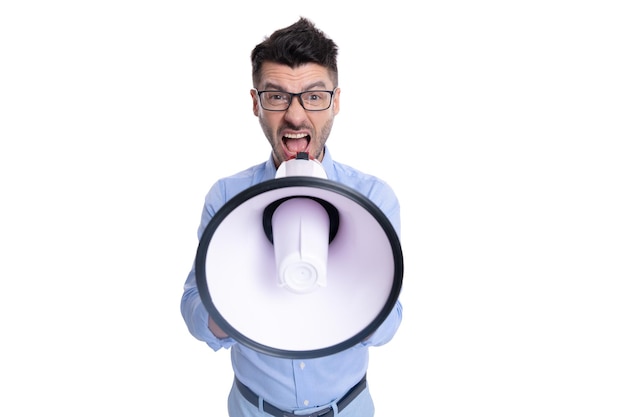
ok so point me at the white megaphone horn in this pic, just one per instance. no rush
(299, 266)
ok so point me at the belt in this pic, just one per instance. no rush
(249, 395)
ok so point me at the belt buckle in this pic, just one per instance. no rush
(319, 413)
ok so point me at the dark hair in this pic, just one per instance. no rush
(298, 44)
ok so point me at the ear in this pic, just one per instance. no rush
(255, 102)
(336, 101)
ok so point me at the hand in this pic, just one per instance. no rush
(216, 330)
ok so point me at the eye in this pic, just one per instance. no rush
(275, 96)
(312, 96)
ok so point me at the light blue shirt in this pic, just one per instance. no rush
(286, 383)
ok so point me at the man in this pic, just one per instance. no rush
(295, 97)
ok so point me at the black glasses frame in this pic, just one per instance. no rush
(299, 96)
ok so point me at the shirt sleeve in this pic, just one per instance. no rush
(387, 329)
(194, 312)
(383, 196)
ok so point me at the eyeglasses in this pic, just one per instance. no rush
(314, 100)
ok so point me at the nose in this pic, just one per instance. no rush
(295, 113)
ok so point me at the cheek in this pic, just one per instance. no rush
(268, 123)
(269, 118)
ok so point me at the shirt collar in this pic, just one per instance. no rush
(329, 165)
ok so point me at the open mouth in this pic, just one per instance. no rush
(296, 142)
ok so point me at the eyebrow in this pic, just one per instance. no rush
(309, 87)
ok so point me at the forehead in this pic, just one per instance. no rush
(303, 77)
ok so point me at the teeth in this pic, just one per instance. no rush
(295, 135)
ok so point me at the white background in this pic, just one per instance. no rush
(500, 125)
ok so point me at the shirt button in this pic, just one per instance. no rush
(302, 365)
(306, 402)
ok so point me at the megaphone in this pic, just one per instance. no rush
(299, 266)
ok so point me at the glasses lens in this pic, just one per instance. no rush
(275, 100)
(316, 100)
